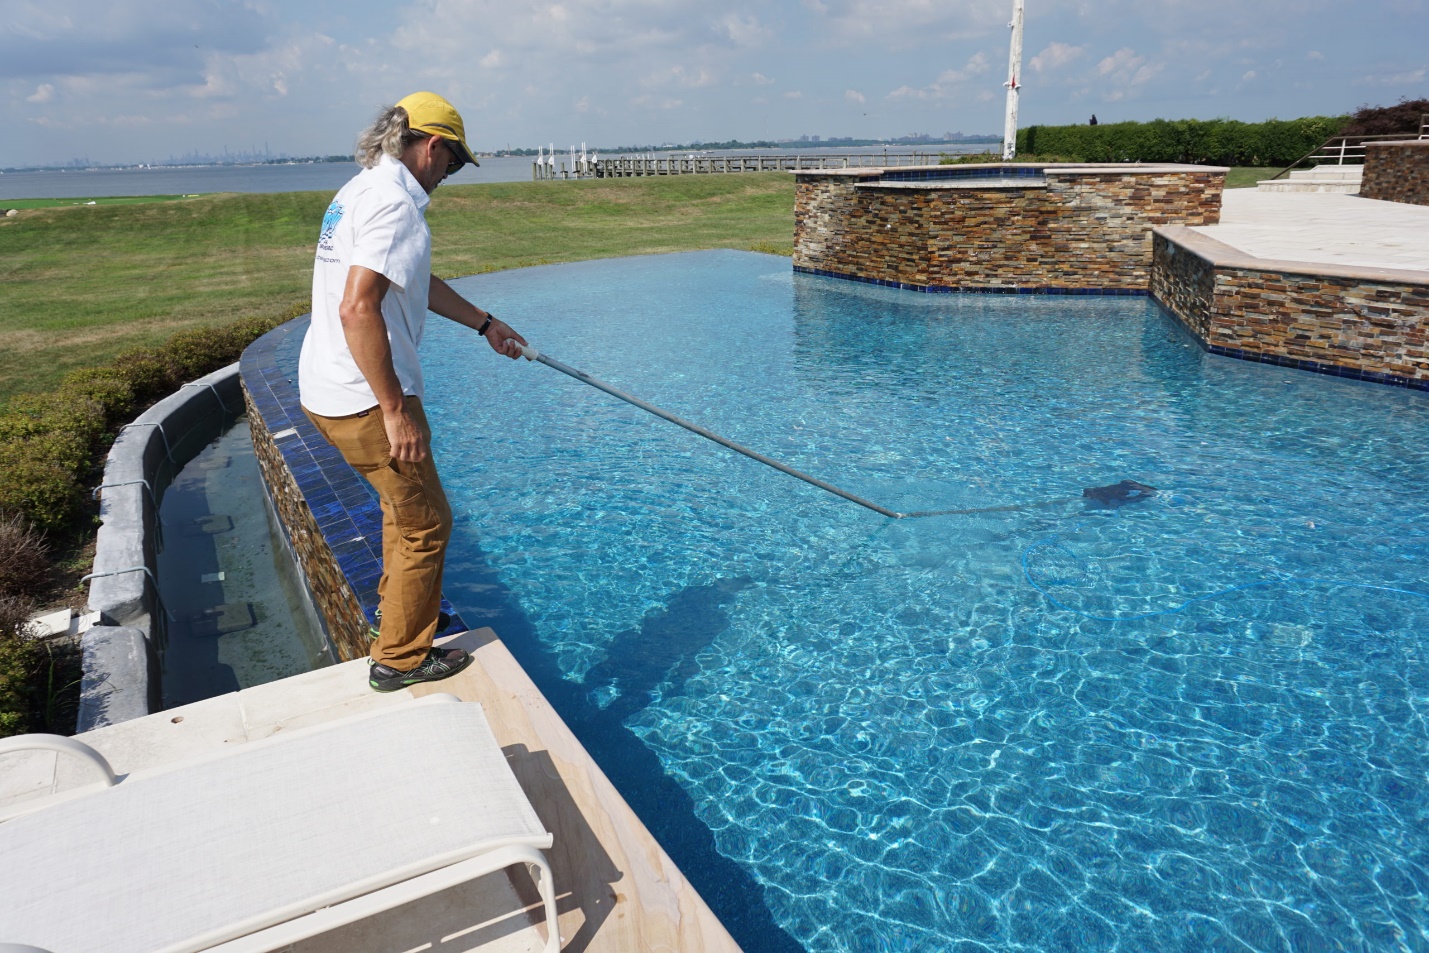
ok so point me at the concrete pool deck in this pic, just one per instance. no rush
(1323, 228)
(616, 889)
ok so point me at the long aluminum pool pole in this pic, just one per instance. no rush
(531, 354)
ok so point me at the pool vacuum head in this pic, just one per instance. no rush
(1127, 491)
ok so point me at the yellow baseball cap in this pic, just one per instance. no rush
(430, 113)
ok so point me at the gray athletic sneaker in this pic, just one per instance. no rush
(439, 664)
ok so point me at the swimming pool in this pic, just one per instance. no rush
(1191, 722)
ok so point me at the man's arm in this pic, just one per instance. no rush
(366, 332)
(446, 302)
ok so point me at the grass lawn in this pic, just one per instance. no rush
(92, 200)
(1245, 177)
(80, 284)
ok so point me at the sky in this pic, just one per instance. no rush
(141, 80)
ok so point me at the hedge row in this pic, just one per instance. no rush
(50, 447)
(1204, 142)
(50, 443)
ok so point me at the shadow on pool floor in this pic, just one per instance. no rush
(663, 649)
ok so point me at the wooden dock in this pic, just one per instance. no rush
(614, 167)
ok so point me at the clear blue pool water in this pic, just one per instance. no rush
(1195, 722)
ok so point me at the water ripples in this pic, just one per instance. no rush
(1195, 722)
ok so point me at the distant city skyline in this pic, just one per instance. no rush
(129, 82)
(254, 154)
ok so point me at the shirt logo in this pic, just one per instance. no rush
(330, 220)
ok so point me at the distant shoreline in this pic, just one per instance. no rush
(918, 145)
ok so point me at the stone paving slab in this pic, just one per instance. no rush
(1323, 228)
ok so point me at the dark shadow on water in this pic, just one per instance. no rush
(660, 653)
(663, 650)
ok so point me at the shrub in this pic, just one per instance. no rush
(1388, 120)
(149, 376)
(1214, 141)
(58, 428)
(24, 556)
(104, 385)
(19, 657)
(971, 158)
(44, 493)
(48, 447)
(49, 442)
(192, 354)
(31, 415)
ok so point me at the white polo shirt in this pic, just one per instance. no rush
(378, 220)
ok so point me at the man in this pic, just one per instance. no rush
(359, 377)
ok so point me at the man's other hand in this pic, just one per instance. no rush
(405, 436)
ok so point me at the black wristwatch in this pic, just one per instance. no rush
(482, 330)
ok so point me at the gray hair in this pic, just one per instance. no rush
(388, 134)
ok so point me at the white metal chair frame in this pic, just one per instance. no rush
(356, 901)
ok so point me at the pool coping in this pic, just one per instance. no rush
(1219, 254)
(120, 664)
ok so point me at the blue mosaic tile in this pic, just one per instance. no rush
(347, 515)
(953, 173)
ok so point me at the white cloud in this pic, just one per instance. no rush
(1123, 61)
(1055, 56)
(949, 84)
(744, 31)
(657, 102)
(1127, 68)
(1401, 78)
(1247, 76)
(901, 24)
(678, 76)
(182, 74)
(167, 40)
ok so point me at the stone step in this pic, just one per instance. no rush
(1322, 172)
(1346, 186)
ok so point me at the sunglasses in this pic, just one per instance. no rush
(454, 166)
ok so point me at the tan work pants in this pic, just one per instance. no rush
(416, 525)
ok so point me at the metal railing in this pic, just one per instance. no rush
(1350, 150)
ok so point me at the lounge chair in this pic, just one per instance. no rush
(269, 842)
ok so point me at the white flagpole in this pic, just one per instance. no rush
(1009, 129)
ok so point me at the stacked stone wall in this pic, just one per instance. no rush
(1082, 229)
(338, 604)
(1397, 171)
(1362, 326)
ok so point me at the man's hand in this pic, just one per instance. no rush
(503, 340)
(405, 436)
